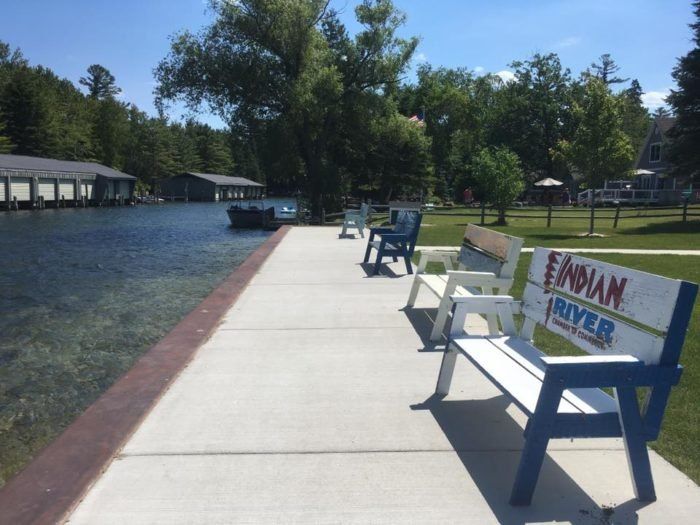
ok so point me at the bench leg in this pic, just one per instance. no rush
(447, 368)
(414, 291)
(345, 230)
(635, 444)
(409, 268)
(536, 440)
(367, 252)
(441, 318)
(377, 263)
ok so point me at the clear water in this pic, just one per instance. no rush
(84, 292)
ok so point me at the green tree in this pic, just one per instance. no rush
(606, 69)
(599, 148)
(684, 152)
(99, 82)
(287, 67)
(499, 176)
(532, 113)
(635, 117)
(5, 142)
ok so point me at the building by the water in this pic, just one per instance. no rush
(210, 187)
(30, 182)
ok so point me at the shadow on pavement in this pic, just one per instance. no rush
(489, 442)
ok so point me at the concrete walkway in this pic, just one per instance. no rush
(312, 404)
(623, 251)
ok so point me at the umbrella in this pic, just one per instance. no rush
(548, 182)
(643, 172)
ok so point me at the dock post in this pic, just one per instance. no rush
(15, 204)
(63, 200)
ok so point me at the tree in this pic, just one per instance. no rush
(683, 150)
(533, 111)
(288, 68)
(499, 176)
(100, 83)
(5, 142)
(606, 70)
(635, 117)
(599, 148)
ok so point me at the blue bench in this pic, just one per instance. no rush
(399, 241)
(633, 325)
(355, 219)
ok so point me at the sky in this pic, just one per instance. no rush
(129, 37)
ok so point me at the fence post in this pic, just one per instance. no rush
(483, 212)
(617, 216)
(549, 216)
(323, 216)
(592, 224)
(685, 209)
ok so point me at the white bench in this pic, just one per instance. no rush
(632, 323)
(490, 257)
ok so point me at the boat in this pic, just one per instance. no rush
(250, 215)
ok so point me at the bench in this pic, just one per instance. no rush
(491, 258)
(355, 219)
(632, 324)
(399, 241)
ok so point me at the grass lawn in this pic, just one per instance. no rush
(639, 232)
(680, 434)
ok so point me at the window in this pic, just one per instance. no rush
(655, 152)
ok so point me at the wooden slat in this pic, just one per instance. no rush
(495, 243)
(474, 259)
(643, 297)
(512, 379)
(587, 400)
(589, 329)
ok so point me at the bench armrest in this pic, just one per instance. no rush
(479, 279)
(600, 371)
(393, 237)
(381, 231)
(440, 256)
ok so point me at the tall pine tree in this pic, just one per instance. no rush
(684, 150)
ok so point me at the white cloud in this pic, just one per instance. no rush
(568, 42)
(506, 76)
(420, 58)
(655, 99)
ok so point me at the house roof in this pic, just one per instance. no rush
(224, 180)
(23, 162)
(665, 123)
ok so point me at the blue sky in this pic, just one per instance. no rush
(129, 37)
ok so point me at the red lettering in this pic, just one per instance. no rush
(615, 291)
(599, 289)
(581, 279)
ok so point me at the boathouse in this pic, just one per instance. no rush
(30, 182)
(210, 187)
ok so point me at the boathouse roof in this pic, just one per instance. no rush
(25, 163)
(224, 180)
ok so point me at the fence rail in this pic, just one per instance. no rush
(551, 213)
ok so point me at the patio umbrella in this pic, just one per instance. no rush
(548, 182)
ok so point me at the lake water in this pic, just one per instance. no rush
(84, 292)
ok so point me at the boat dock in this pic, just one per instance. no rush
(307, 397)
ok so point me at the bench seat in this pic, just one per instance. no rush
(438, 283)
(516, 368)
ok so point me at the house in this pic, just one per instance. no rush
(210, 187)
(26, 181)
(652, 168)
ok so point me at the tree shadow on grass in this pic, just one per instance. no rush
(664, 227)
(489, 442)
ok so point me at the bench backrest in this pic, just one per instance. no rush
(397, 206)
(607, 309)
(485, 250)
(408, 223)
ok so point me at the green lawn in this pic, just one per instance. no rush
(680, 435)
(638, 232)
